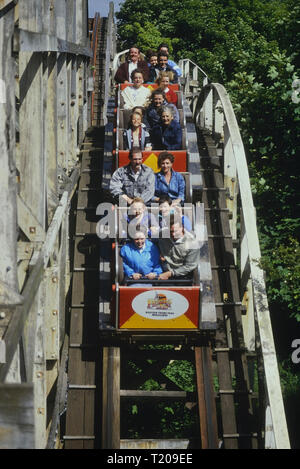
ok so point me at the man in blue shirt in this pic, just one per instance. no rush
(162, 67)
(163, 47)
(141, 257)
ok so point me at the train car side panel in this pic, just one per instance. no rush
(150, 159)
(159, 308)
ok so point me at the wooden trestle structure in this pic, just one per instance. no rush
(61, 385)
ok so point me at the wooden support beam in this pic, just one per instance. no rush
(17, 416)
(206, 399)
(9, 291)
(63, 111)
(50, 37)
(207, 301)
(6, 5)
(27, 41)
(73, 103)
(51, 143)
(111, 398)
(16, 326)
(8, 192)
(170, 444)
(60, 396)
(246, 287)
(230, 181)
(28, 222)
(32, 163)
(52, 314)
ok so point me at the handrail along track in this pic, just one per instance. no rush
(215, 117)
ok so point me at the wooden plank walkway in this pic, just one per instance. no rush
(83, 413)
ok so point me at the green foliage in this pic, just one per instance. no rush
(290, 385)
(166, 419)
(182, 373)
(282, 265)
(290, 381)
(146, 25)
(150, 385)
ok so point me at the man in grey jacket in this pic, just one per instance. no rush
(133, 180)
(180, 252)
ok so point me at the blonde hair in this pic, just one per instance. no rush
(138, 200)
(135, 113)
(162, 75)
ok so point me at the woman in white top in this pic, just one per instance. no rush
(137, 94)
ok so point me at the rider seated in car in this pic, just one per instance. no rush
(133, 180)
(166, 209)
(138, 215)
(179, 251)
(141, 257)
(137, 94)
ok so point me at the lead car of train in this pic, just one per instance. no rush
(172, 310)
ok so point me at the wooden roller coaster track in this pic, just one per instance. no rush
(77, 385)
(230, 393)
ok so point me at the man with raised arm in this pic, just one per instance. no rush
(162, 66)
(180, 252)
(163, 47)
